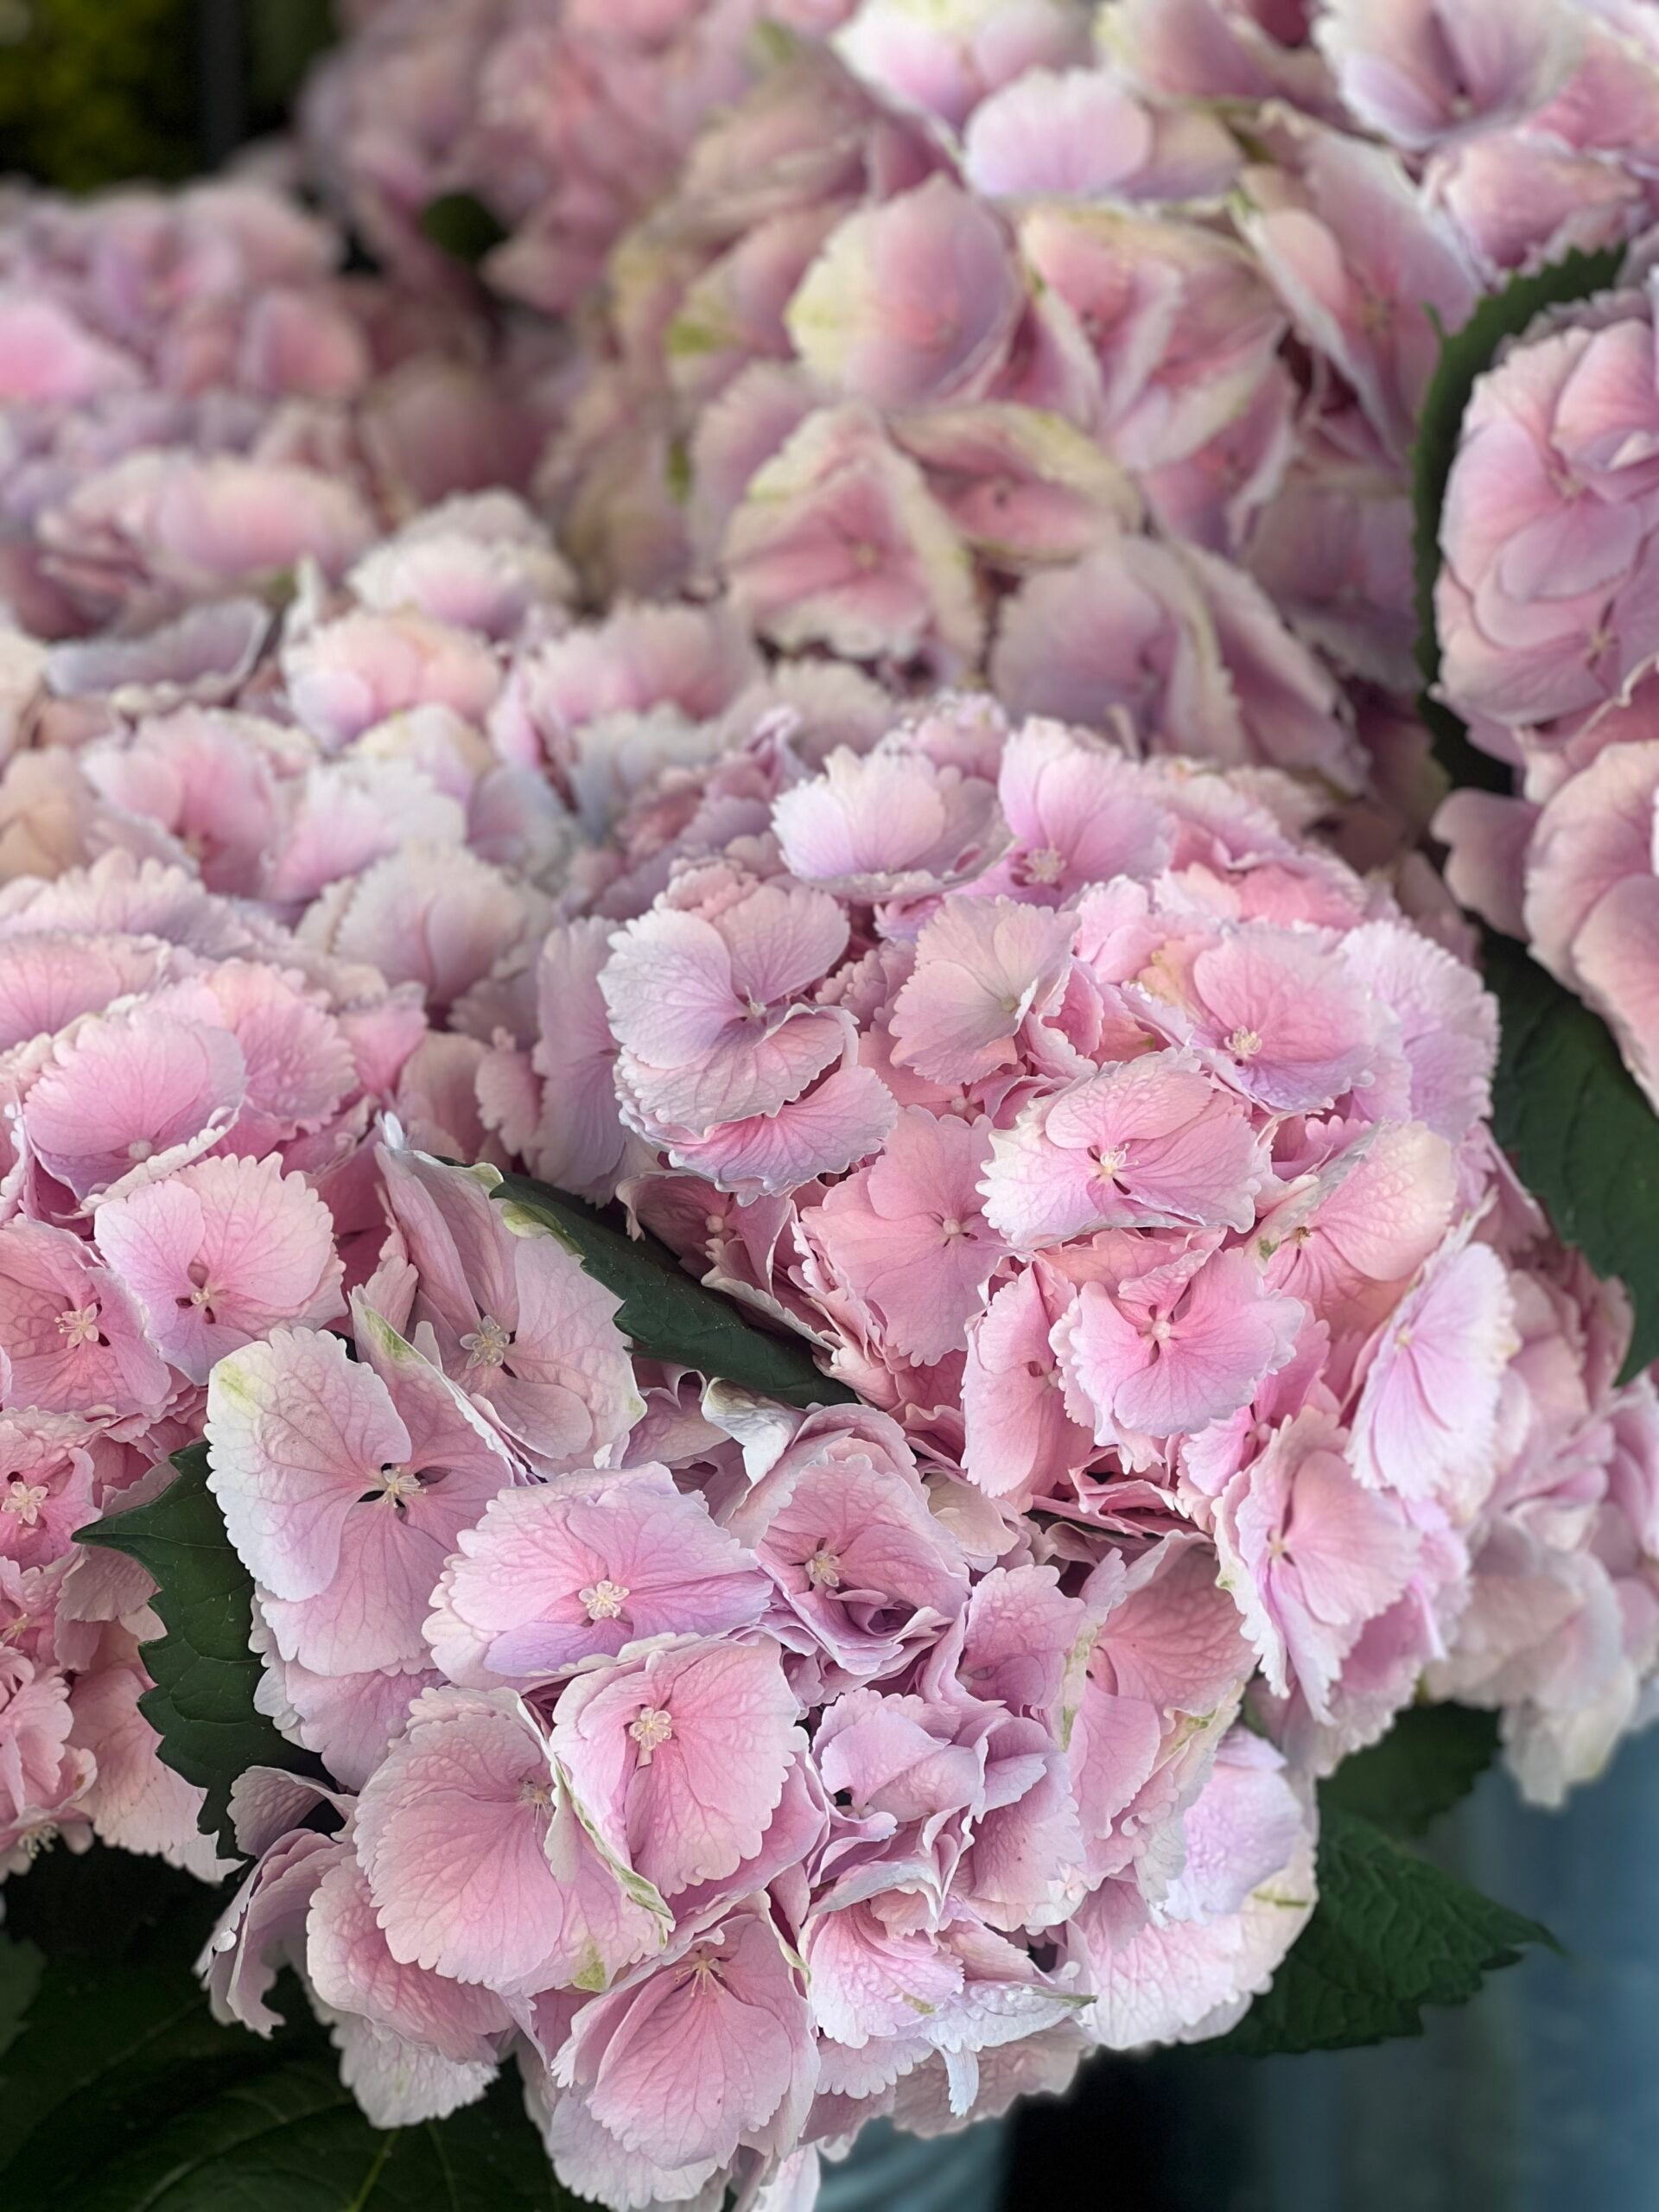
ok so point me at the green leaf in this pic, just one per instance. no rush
(124, 2095)
(1579, 1130)
(462, 225)
(1433, 1756)
(667, 1314)
(1391, 1934)
(290, 2139)
(20, 1977)
(202, 1704)
(1466, 355)
(284, 38)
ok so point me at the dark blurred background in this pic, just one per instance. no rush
(97, 92)
(1543, 2095)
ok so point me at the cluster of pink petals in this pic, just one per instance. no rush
(189, 1096)
(334, 774)
(742, 1774)
(1548, 610)
(564, 117)
(950, 414)
(193, 399)
(968, 342)
(927, 333)
(263, 883)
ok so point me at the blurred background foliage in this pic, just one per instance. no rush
(96, 92)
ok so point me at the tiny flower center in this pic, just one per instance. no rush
(1376, 314)
(140, 1149)
(25, 1503)
(1244, 1044)
(536, 1793)
(651, 1728)
(866, 557)
(205, 1296)
(823, 1568)
(604, 1600)
(77, 1325)
(1110, 1160)
(399, 1483)
(1046, 865)
(488, 1345)
(1160, 1330)
(1402, 1337)
(953, 1230)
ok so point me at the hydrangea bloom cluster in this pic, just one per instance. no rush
(193, 399)
(565, 118)
(923, 1144)
(1551, 641)
(744, 1772)
(1204, 1388)
(259, 885)
(967, 343)
(189, 1094)
(905, 404)
(331, 768)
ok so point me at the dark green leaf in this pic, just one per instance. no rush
(462, 225)
(123, 2094)
(1433, 1756)
(100, 1906)
(205, 1674)
(1391, 1934)
(20, 1977)
(290, 2139)
(1580, 1132)
(284, 38)
(667, 1314)
(1467, 354)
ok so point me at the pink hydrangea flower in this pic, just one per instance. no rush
(912, 301)
(517, 1324)
(947, 60)
(1149, 1143)
(72, 1338)
(1083, 134)
(479, 1865)
(908, 1236)
(220, 1254)
(735, 1998)
(707, 1006)
(1440, 67)
(551, 1577)
(680, 1754)
(1312, 1555)
(42, 1775)
(842, 1524)
(1425, 1419)
(1175, 1348)
(345, 1486)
